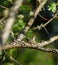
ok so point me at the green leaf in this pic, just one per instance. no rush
(8, 63)
(52, 7)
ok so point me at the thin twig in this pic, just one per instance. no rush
(3, 7)
(1, 21)
(51, 19)
(43, 25)
(46, 19)
(12, 58)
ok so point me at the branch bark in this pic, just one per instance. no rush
(31, 21)
(37, 46)
(10, 20)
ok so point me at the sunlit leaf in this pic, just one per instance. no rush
(52, 7)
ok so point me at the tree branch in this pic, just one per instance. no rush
(31, 21)
(10, 20)
(51, 40)
(38, 46)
